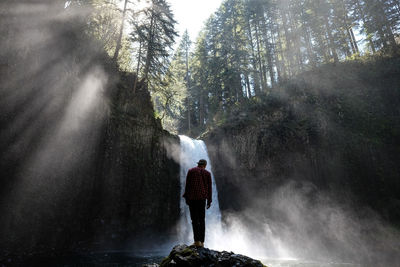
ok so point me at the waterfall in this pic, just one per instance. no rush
(191, 152)
(236, 235)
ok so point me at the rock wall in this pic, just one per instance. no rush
(83, 161)
(334, 129)
(141, 176)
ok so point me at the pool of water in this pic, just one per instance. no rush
(303, 263)
(138, 258)
(100, 258)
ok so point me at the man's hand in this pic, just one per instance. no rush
(208, 205)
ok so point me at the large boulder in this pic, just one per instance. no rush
(186, 256)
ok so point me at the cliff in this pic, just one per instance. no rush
(335, 129)
(141, 183)
(83, 161)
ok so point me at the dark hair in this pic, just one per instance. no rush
(202, 162)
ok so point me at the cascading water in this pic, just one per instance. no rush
(191, 152)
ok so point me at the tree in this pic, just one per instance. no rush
(171, 100)
(185, 48)
(381, 22)
(118, 46)
(156, 33)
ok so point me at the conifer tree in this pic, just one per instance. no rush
(156, 34)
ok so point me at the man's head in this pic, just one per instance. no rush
(202, 163)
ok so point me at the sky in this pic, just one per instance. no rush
(191, 14)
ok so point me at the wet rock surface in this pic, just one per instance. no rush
(183, 255)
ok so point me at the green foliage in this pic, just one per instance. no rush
(250, 48)
(170, 99)
(154, 30)
(358, 99)
(103, 24)
(146, 50)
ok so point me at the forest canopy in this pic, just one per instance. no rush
(250, 46)
(245, 48)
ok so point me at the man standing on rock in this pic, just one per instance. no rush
(198, 189)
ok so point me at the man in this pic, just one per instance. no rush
(197, 191)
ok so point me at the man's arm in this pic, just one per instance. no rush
(186, 185)
(209, 188)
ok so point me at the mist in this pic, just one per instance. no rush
(300, 224)
(54, 105)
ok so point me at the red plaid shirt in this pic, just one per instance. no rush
(198, 185)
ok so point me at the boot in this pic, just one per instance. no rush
(202, 244)
(197, 243)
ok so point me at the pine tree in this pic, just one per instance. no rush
(121, 30)
(185, 48)
(156, 34)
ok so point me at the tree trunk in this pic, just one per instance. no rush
(349, 30)
(354, 40)
(331, 40)
(248, 89)
(387, 28)
(149, 49)
(383, 37)
(238, 81)
(307, 39)
(281, 63)
(138, 66)
(269, 52)
(288, 44)
(118, 46)
(296, 43)
(350, 40)
(362, 14)
(254, 63)
(188, 114)
(201, 110)
(259, 58)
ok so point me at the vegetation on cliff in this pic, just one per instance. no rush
(337, 126)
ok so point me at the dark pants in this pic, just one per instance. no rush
(197, 214)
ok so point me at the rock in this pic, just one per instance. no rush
(185, 256)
